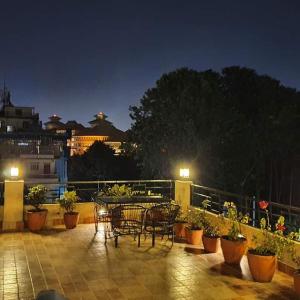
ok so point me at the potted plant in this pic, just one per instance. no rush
(194, 230)
(36, 217)
(270, 245)
(234, 244)
(211, 235)
(180, 224)
(116, 192)
(67, 202)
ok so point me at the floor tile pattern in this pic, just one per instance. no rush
(78, 265)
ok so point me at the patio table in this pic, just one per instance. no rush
(104, 205)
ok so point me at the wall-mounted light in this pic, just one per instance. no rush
(184, 173)
(14, 171)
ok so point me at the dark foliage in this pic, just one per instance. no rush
(100, 163)
(239, 131)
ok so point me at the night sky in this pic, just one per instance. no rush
(76, 58)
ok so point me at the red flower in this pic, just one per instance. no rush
(280, 227)
(263, 204)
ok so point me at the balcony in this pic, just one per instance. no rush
(79, 265)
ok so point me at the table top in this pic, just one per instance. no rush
(133, 199)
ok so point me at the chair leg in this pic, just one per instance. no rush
(153, 237)
(173, 235)
(139, 239)
(116, 241)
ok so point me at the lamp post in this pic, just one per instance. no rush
(13, 200)
(184, 173)
(14, 172)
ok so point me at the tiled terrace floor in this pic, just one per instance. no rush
(78, 265)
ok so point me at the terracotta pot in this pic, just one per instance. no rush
(179, 229)
(36, 219)
(233, 251)
(297, 282)
(193, 237)
(262, 267)
(211, 244)
(71, 220)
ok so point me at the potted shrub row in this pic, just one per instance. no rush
(197, 226)
(36, 217)
(270, 243)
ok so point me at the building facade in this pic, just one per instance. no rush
(80, 138)
(40, 155)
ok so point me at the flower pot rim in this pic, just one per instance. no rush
(241, 239)
(181, 222)
(252, 252)
(211, 236)
(37, 211)
(73, 213)
(193, 229)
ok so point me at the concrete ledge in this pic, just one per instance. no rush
(55, 214)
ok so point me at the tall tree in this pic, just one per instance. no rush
(235, 128)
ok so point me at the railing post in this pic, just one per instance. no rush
(183, 194)
(13, 205)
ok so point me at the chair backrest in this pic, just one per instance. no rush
(162, 213)
(127, 214)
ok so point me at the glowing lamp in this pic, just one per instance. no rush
(14, 172)
(184, 173)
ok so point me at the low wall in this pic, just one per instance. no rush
(55, 213)
(286, 265)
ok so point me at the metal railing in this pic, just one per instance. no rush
(1, 193)
(245, 205)
(86, 189)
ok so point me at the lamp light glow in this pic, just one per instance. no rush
(14, 172)
(184, 173)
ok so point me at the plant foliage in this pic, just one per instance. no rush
(236, 219)
(271, 242)
(36, 196)
(68, 201)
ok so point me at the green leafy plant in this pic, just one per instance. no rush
(211, 226)
(116, 191)
(236, 219)
(268, 241)
(181, 217)
(294, 236)
(195, 218)
(68, 201)
(36, 196)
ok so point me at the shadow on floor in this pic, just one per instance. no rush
(228, 270)
(194, 250)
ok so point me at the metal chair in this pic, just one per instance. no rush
(127, 219)
(160, 220)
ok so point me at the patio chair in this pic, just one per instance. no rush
(160, 220)
(127, 219)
